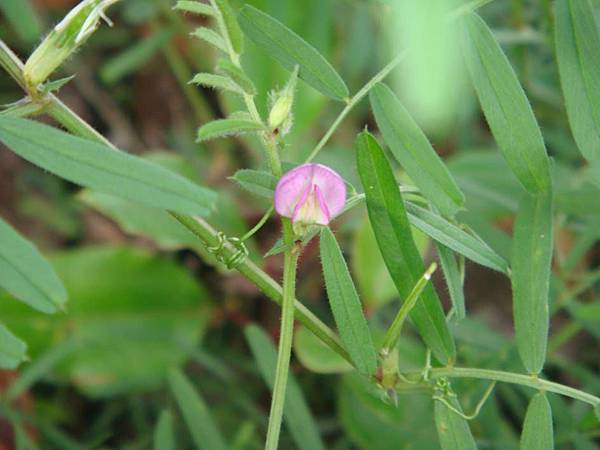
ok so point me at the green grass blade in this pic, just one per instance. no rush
(453, 430)
(204, 431)
(99, 167)
(26, 274)
(164, 437)
(414, 152)
(505, 106)
(578, 54)
(227, 127)
(291, 50)
(346, 306)
(531, 263)
(12, 349)
(453, 279)
(388, 218)
(296, 414)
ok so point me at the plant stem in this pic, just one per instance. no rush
(285, 340)
(515, 378)
(354, 101)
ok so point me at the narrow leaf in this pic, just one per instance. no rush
(578, 54)
(453, 280)
(227, 127)
(453, 237)
(204, 431)
(453, 430)
(164, 436)
(505, 106)
(346, 306)
(195, 7)
(257, 182)
(237, 75)
(414, 152)
(291, 50)
(230, 25)
(538, 432)
(208, 35)
(25, 274)
(296, 413)
(217, 82)
(531, 260)
(12, 349)
(388, 218)
(101, 168)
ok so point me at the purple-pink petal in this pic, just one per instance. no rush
(296, 185)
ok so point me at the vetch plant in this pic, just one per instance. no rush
(404, 193)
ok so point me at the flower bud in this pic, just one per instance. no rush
(311, 195)
(280, 116)
(64, 40)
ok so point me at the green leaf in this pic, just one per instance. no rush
(578, 54)
(453, 430)
(394, 237)
(148, 307)
(257, 182)
(217, 82)
(164, 437)
(538, 432)
(230, 25)
(414, 152)
(134, 57)
(315, 355)
(453, 237)
(236, 74)
(208, 35)
(101, 168)
(346, 306)
(12, 349)
(227, 127)
(296, 413)
(454, 280)
(195, 7)
(200, 424)
(23, 18)
(505, 106)
(291, 50)
(531, 267)
(25, 273)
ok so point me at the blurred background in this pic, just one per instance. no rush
(146, 297)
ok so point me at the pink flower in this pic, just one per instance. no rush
(310, 194)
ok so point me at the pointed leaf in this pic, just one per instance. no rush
(505, 106)
(195, 7)
(204, 431)
(230, 25)
(164, 437)
(414, 152)
(538, 432)
(227, 127)
(394, 237)
(12, 349)
(296, 413)
(346, 306)
(453, 430)
(257, 182)
(453, 279)
(25, 273)
(217, 82)
(208, 35)
(578, 54)
(531, 263)
(455, 238)
(101, 168)
(237, 75)
(291, 50)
